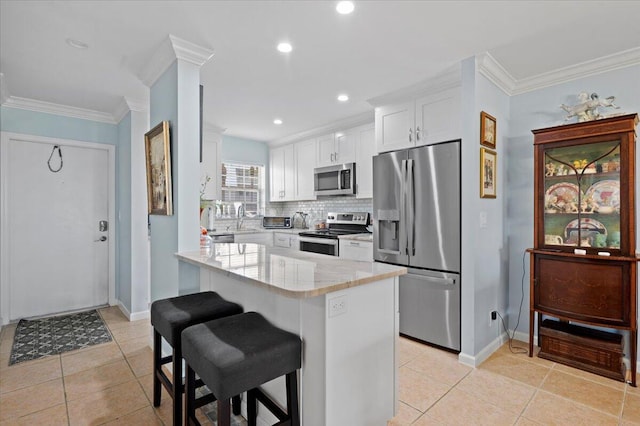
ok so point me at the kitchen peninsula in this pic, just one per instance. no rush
(346, 313)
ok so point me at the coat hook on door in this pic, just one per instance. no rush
(59, 154)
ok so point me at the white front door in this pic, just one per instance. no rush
(57, 254)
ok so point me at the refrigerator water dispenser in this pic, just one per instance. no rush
(389, 230)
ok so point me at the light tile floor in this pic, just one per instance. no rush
(112, 384)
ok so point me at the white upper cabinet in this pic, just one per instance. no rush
(394, 126)
(365, 150)
(211, 165)
(438, 118)
(346, 146)
(326, 150)
(281, 173)
(291, 171)
(426, 120)
(305, 161)
(336, 148)
(291, 167)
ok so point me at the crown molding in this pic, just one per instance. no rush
(57, 109)
(490, 68)
(618, 60)
(4, 91)
(212, 128)
(353, 121)
(448, 79)
(190, 52)
(171, 49)
(128, 104)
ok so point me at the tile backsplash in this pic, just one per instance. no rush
(316, 209)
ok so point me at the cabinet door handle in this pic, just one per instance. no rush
(418, 133)
(353, 243)
(332, 160)
(410, 135)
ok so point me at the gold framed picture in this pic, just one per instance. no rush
(488, 169)
(158, 154)
(487, 130)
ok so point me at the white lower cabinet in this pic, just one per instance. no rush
(257, 238)
(356, 250)
(286, 240)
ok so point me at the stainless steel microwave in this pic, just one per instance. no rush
(274, 222)
(335, 180)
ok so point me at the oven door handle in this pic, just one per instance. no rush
(325, 241)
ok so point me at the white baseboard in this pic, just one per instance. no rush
(133, 316)
(484, 354)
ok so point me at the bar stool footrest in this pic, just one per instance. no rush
(259, 395)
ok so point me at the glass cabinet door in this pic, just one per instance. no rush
(582, 197)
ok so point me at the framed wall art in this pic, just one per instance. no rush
(488, 169)
(158, 154)
(487, 130)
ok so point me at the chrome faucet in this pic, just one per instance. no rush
(240, 217)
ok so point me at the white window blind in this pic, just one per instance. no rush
(243, 183)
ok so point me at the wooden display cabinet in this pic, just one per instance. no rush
(583, 264)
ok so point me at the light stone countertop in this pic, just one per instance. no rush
(357, 237)
(288, 272)
(220, 231)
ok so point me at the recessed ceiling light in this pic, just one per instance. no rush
(343, 98)
(345, 7)
(77, 44)
(285, 47)
(277, 121)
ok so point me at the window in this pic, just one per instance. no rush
(243, 183)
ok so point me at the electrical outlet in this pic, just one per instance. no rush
(337, 306)
(492, 317)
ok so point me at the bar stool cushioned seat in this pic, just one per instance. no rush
(239, 353)
(169, 317)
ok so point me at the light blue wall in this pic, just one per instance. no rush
(123, 248)
(164, 238)
(56, 126)
(245, 150)
(491, 256)
(484, 258)
(535, 110)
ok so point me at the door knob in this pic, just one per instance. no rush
(103, 238)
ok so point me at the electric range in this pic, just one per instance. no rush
(325, 241)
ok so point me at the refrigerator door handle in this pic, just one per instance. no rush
(436, 280)
(387, 251)
(411, 232)
(403, 205)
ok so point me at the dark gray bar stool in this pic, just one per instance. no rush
(168, 318)
(237, 354)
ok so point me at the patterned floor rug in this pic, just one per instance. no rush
(53, 335)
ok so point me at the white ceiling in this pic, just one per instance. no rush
(381, 47)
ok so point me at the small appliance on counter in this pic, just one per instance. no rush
(300, 220)
(277, 222)
(325, 241)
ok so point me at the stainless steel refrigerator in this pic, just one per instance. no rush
(416, 209)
